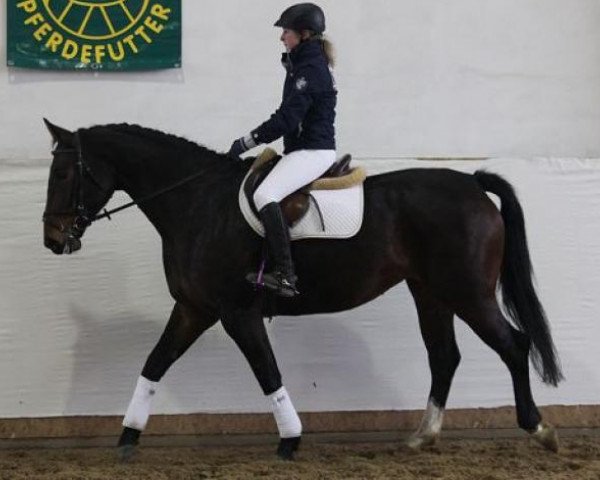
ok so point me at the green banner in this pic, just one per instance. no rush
(94, 34)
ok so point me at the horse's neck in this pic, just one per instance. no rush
(165, 183)
(140, 175)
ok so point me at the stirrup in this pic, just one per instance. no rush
(282, 285)
(274, 281)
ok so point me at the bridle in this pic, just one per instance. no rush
(83, 218)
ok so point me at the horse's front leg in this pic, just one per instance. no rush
(247, 329)
(185, 325)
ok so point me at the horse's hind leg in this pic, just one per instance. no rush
(184, 327)
(488, 322)
(247, 329)
(437, 328)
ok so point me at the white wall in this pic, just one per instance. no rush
(500, 78)
(416, 78)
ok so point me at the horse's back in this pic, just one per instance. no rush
(429, 192)
(412, 179)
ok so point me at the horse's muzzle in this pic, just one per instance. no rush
(61, 239)
(70, 245)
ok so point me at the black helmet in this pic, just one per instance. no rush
(303, 16)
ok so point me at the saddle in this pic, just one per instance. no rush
(296, 205)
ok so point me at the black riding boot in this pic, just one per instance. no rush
(282, 279)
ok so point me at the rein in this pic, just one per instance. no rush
(108, 213)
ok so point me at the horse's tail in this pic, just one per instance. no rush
(518, 292)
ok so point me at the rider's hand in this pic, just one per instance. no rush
(240, 146)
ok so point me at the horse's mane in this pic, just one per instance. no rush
(174, 141)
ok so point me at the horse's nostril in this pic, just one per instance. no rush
(75, 244)
(53, 245)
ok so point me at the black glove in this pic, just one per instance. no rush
(236, 149)
(240, 146)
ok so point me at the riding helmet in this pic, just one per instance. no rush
(303, 16)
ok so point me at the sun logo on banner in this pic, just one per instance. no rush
(96, 19)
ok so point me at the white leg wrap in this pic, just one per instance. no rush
(139, 407)
(287, 419)
(431, 424)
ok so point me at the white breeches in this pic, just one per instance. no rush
(291, 173)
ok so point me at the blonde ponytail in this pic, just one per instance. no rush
(328, 48)
(326, 44)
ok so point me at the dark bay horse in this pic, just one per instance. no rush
(435, 228)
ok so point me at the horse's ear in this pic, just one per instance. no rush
(59, 135)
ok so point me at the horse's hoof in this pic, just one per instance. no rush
(126, 452)
(546, 436)
(416, 442)
(287, 447)
(127, 443)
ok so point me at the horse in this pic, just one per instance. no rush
(437, 229)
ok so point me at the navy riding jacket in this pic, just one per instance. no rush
(306, 115)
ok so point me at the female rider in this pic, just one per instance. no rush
(305, 119)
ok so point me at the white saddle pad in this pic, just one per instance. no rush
(342, 212)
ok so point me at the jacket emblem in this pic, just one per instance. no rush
(301, 83)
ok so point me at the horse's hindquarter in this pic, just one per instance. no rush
(422, 224)
(456, 233)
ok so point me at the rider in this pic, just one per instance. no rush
(305, 119)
